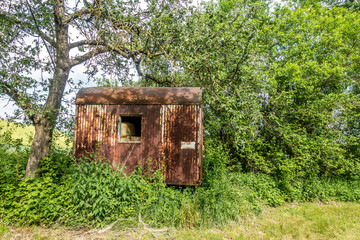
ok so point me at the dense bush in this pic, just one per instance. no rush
(93, 194)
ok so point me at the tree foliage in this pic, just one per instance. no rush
(280, 84)
(114, 34)
(313, 77)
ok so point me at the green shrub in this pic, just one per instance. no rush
(92, 194)
(36, 201)
(102, 195)
(220, 199)
(13, 159)
(99, 194)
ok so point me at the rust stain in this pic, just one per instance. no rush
(139, 95)
(181, 124)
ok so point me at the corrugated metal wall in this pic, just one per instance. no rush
(169, 132)
(182, 143)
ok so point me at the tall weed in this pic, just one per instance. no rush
(92, 193)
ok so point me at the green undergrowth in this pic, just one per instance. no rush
(92, 194)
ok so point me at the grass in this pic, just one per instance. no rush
(26, 133)
(291, 221)
(308, 221)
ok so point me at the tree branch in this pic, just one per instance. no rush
(82, 12)
(151, 55)
(86, 42)
(118, 49)
(148, 76)
(20, 98)
(123, 51)
(30, 26)
(102, 47)
(137, 66)
(164, 82)
(40, 33)
(51, 41)
(80, 59)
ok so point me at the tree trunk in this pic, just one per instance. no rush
(45, 122)
(40, 147)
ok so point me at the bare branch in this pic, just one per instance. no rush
(137, 66)
(119, 49)
(164, 82)
(151, 55)
(123, 51)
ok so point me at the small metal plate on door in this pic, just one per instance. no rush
(187, 145)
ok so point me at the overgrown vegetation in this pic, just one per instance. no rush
(314, 221)
(281, 108)
(281, 86)
(92, 194)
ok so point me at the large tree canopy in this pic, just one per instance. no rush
(313, 74)
(281, 84)
(110, 34)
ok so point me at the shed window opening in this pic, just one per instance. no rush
(130, 128)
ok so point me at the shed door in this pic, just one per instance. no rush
(182, 143)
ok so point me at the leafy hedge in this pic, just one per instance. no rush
(93, 194)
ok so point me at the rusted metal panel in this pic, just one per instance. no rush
(148, 151)
(182, 143)
(170, 134)
(97, 133)
(139, 95)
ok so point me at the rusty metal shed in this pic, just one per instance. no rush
(131, 124)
